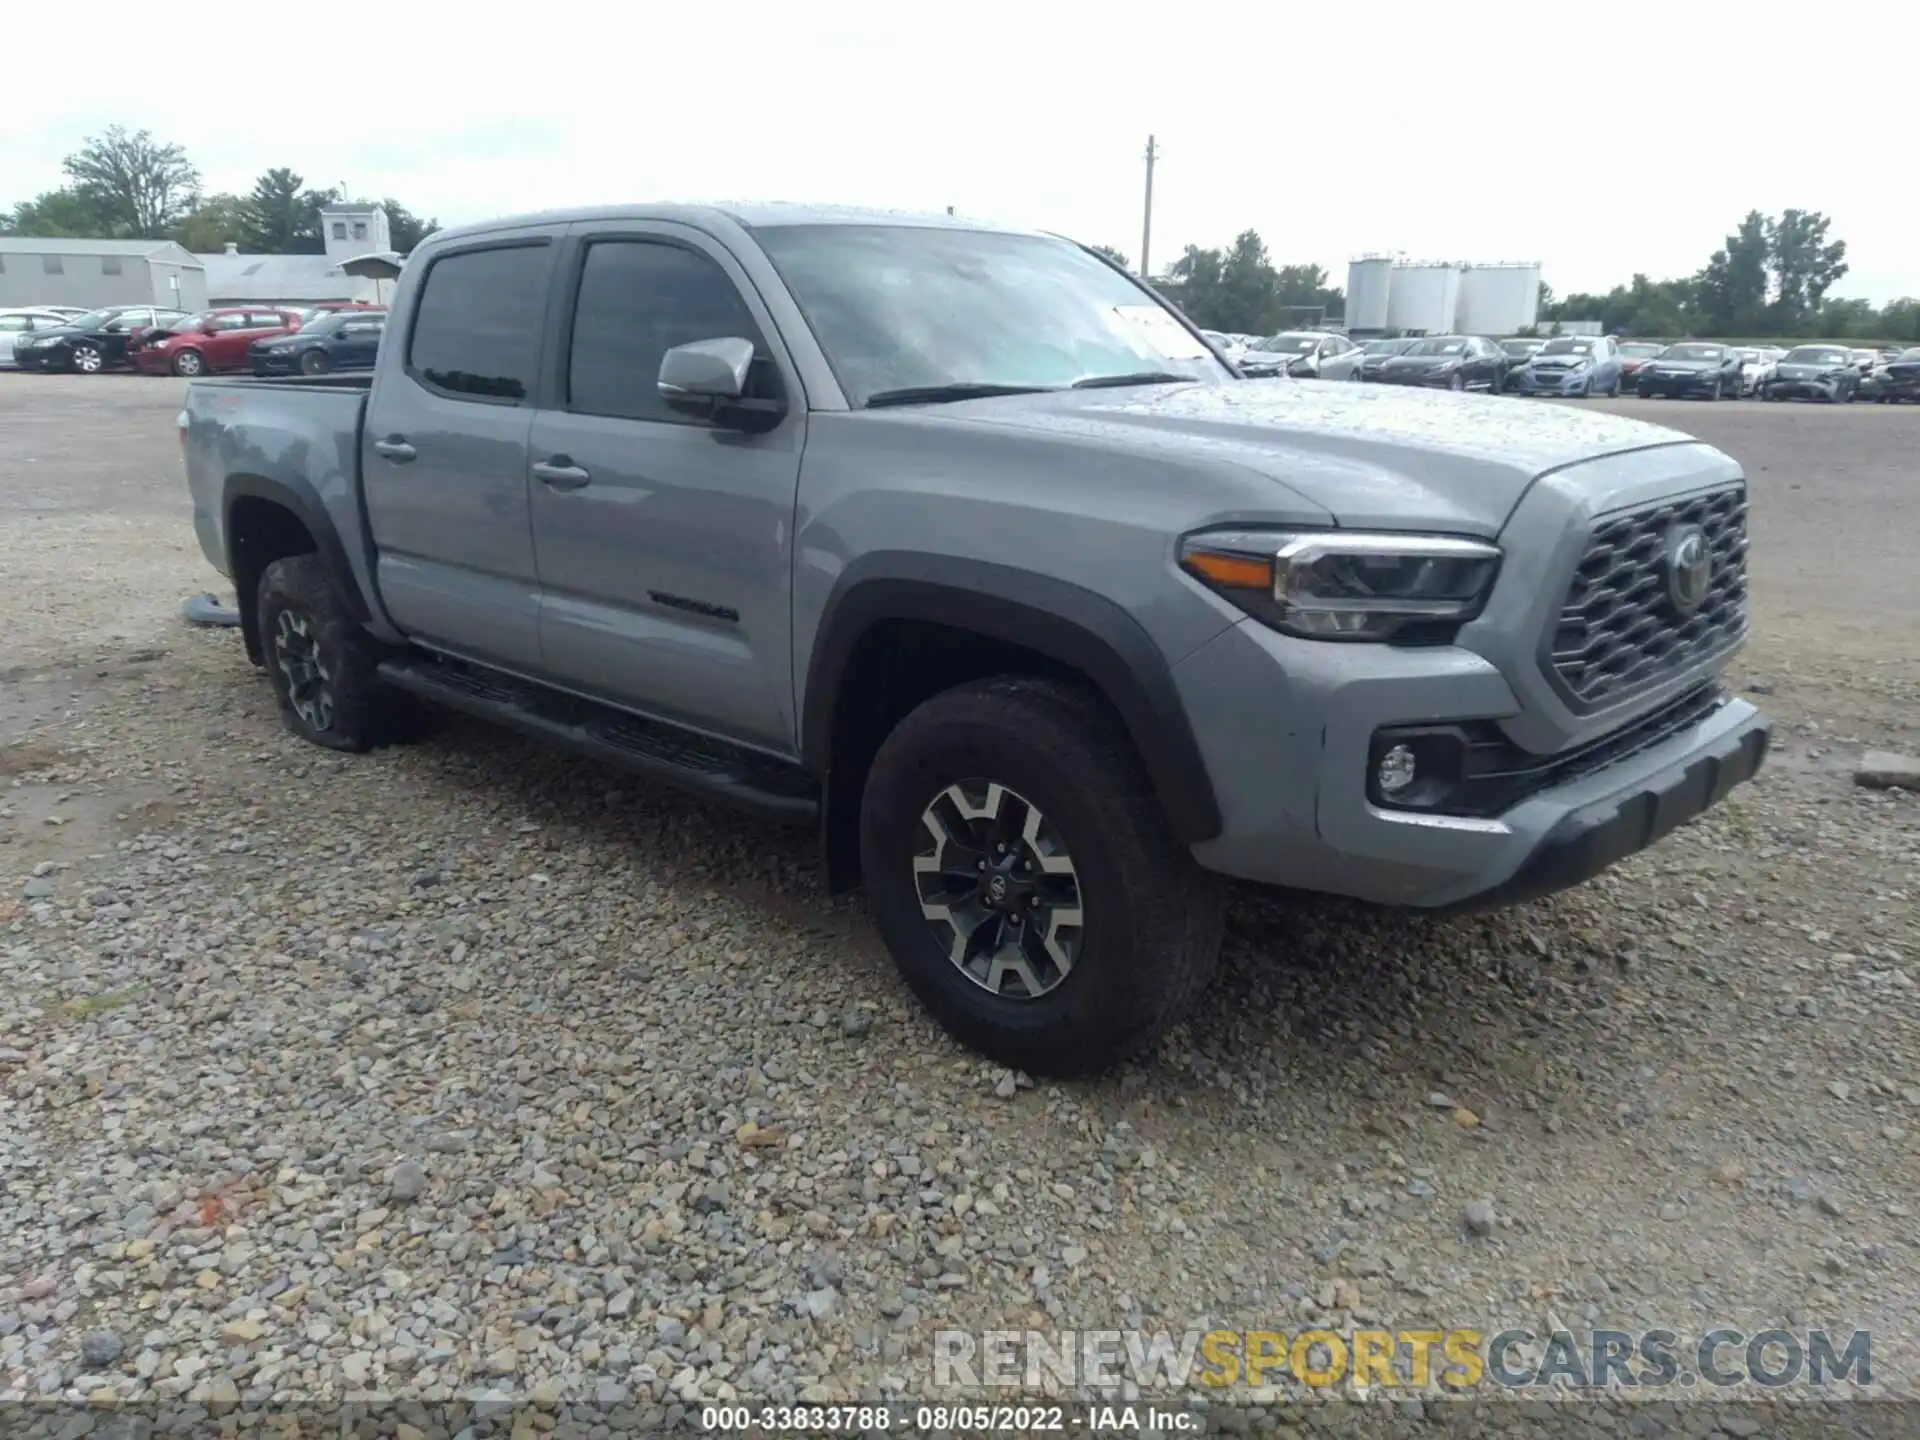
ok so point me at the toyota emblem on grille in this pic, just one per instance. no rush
(1689, 568)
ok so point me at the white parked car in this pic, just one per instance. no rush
(1305, 355)
(16, 323)
(1756, 367)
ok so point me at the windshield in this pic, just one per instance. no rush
(1287, 344)
(1567, 347)
(900, 307)
(1908, 355)
(1753, 355)
(1520, 347)
(93, 319)
(1817, 355)
(1642, 351)
(1695, 352)
(321, 320)
(1440, 345)
(1384, 347)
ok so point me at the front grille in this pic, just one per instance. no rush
(1619, 632)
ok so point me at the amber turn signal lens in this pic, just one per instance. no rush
(1236, 572)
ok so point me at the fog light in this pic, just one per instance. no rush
(1396, 770)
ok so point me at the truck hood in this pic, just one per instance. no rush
(1390, 459)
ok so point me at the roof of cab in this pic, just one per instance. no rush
(753, 216)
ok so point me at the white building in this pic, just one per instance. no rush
(349, 230)
(92, 273)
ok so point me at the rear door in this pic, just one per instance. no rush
(664, 544)
(226, 347)
(356, 342)
(444, 450)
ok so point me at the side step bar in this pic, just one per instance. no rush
(650, 748)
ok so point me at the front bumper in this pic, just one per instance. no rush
(1291, 723)
(1420, 379)
(1804, 389)
(1531, 383)
(1588, 839)
(1654, 383)
(153, 361)
(265, 364)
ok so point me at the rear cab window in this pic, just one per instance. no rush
(477, 326)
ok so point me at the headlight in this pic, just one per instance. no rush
(1343, 586)
(279, 349)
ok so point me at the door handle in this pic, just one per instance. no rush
(395, 449)
(560, 473)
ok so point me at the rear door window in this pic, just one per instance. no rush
(476, 332)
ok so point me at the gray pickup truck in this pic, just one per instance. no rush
(962, 546)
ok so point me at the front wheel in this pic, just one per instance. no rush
(1459, 382)
(314, 362)
(1719, 391)
(1024, 880)
(189, 363)
(88, 360)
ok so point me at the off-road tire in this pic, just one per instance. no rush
(1153, 918)
(362, 711)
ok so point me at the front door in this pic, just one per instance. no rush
(445, 452)
(665, 544)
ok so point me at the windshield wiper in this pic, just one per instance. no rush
(960, 390)
(1144, 377)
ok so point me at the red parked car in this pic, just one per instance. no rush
(211, 340)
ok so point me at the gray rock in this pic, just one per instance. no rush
(407, 1182)
(1886, 770)
(101, 1350)
(37, 889)
(1480, 1217)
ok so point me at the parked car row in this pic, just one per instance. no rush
(174, 342)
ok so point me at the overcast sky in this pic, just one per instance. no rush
(1599, 142)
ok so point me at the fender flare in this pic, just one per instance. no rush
(1073, 626)
(295, 495)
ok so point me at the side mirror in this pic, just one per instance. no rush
(707, 379)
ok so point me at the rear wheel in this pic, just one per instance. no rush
(314, 362)
(323, 664)
(189, 362)
(1024, 879)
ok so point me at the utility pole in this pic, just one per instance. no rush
(1146, 219)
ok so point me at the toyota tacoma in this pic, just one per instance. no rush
(960, 545)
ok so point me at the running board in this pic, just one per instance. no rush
(651, 748)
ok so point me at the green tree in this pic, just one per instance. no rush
(1731, 292)
(1194, 285)
(1805, 266)
(406, 230)
(142, 187)
(1249, 286)
(59, 213)
(214, 222)
(283, 216)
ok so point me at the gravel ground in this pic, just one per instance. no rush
(472, 1064)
